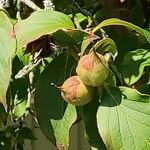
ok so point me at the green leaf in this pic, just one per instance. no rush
(147, 35)
(64, 39)
(124, 45)
(71, 39)
(17, 93)
(124, 119)
(5, 22)
(111, 79)
(7, 50)
(40, 23)
(62, 127)
(133, 65)
(52, 111)
(145, 88)
(22, 57)
(128, 25)
(78, 35)
(105, 45)
(79, 17)
(89, 112)
(20, 107)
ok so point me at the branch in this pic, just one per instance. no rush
(31, 88)
(30, 4)
(27, 69)
(91, 19)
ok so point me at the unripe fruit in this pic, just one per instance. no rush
(93, 69)
(75, 92)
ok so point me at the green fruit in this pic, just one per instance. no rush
(93, 69)
(75, 92)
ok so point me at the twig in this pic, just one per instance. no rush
(27, 69)
(30, 95)
(18, 16)
(31, 88)
(32, 114)
(104, 35)
(91, 19)
(90, 16)
(83, 10)
(30, 4)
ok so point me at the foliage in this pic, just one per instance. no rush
(40, 50)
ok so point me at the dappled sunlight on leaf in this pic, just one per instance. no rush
(118, 124)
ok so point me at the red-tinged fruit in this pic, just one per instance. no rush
(75, 92)
(93, 69)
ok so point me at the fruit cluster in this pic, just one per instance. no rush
(92, 70)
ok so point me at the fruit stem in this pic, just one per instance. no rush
(53, 84)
